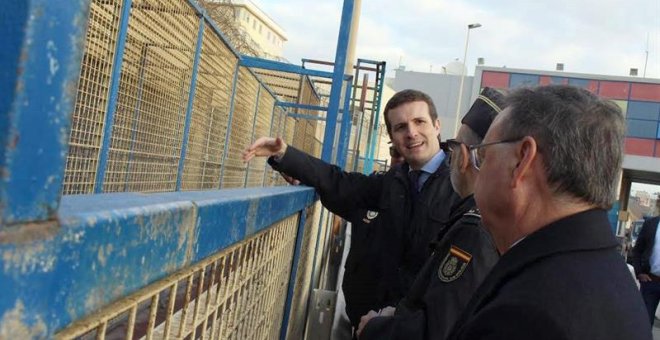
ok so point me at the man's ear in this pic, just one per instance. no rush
(526, 153)
(436, 124)
(464, 161)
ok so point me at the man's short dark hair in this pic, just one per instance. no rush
(408, 96)
(579, 135)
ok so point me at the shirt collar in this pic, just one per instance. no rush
(434, 163)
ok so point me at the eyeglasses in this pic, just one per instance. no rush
(476, 155)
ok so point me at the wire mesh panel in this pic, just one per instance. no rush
(262, 128)
(210, 115)
(245, 102)
(92, 97)
(235, 294)
(286, 85)
(153, 96)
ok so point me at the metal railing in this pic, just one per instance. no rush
(126, 234)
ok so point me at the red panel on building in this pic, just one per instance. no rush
(650, 92)
(614, 89)
(657, 148)
(640, 147)
(496, 80)
(593, 86)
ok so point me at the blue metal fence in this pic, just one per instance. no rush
(163, 105)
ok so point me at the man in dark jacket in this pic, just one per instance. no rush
(412, 200)
(363, 271)
(548, 168)
(463, 253)
(646, 260)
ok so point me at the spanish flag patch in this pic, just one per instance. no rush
(454, 264)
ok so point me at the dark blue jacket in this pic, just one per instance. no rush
(564, 281)
(408, 233)
(445, 284)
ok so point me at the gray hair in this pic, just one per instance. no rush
(579, 135)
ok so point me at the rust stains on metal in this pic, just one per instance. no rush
(13, 324)
(28, 252)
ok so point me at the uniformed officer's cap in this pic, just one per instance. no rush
(489, 103)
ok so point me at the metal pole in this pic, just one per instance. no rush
(346, 122)
(293, 273)
(189, 108)
(460, 88)
(254, 127)
(229, 121)
(112, 98)
(337, 80)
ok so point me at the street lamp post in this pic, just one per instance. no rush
(460, 89)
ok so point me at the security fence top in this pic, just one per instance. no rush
(255, 62)
(330, 63)
(301, 106)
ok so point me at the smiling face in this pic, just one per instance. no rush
(413, 132)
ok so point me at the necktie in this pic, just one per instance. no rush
(414, 182)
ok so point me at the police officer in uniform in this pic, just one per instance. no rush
(463, 252)
(363, 271)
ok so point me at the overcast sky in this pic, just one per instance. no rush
(588, 36)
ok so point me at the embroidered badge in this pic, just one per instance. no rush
(370, 216)
(454, 264)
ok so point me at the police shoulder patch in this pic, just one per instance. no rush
(454, 264)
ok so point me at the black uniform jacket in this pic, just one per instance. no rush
(463, 255)
(641, 253)
(409, 227)
(564, 281)
(363, 272)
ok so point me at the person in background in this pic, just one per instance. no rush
(646, 261)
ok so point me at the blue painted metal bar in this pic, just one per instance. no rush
(254, 127)
(42, 47)
(293, 273)
(112, 98)
(380, 77)
(304, 116)
(136, 115)
(229, 121)
(265, 64)
(301, 106)
(191, 100)
(90, 258)
(338, 76)
(346, 122)
(367, 61)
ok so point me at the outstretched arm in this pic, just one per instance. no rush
(265, 147)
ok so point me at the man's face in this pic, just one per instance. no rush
(492, 190)
(413, 133)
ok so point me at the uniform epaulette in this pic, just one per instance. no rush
(474, 212)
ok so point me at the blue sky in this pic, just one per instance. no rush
(588, 36)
